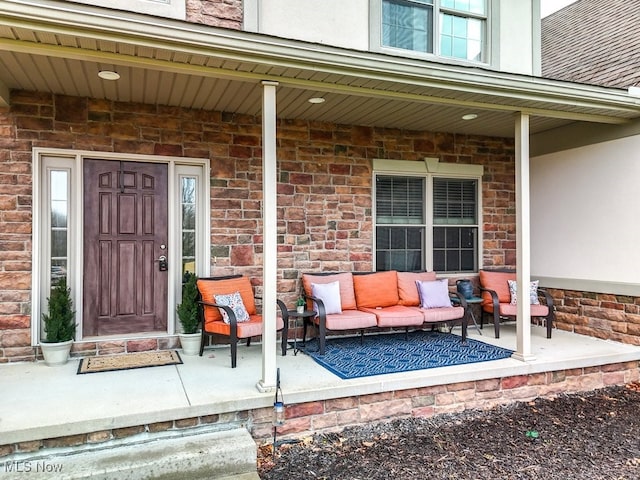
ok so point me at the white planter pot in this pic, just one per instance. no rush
(56, 354)
(190, 343)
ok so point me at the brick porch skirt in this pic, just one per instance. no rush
(331, 415)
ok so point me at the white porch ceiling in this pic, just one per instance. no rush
(60, 47)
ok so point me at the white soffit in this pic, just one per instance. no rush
(40, 41)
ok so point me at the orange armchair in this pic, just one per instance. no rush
(496, 300)
(241, 321)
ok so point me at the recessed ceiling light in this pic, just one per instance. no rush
(470, 116)
(316, 100)
(108, 75)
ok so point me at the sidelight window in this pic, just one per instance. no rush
(58, 205)
(188, 204)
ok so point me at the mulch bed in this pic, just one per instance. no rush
(593, 435)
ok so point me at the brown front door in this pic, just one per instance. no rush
(125, 233)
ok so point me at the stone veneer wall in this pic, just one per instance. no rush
(334, 414)
(324, 198)
(324, 191)
(600, 315)
(327, 415)
(216, 13)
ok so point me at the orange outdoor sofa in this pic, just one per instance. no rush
(361, 301)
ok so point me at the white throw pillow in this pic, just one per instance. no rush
(533, 292)
(434, 294)
(329, 293)
(234, 301)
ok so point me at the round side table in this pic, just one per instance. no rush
(471, 302)
(296, 316)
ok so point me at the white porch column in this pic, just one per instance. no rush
(523, 239)
(270, 239)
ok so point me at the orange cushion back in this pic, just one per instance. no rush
(378, 289)
(347, 297)
(497, 281)
(407, 289)
(209, 288)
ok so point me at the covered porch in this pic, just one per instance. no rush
(54, 408)
(198, 93)
(238, 77)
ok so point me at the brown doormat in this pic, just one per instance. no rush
(128, 361)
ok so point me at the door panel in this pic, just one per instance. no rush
(125, 225)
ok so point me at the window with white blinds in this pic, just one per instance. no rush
(400, 223)
(413, 213)
(455, 225)
(400, 199)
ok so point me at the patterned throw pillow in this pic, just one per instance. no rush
(234, 301)
(533, 292)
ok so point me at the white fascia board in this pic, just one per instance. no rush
(143, 30)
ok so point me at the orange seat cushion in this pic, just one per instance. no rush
(209, 288)
(407, 289)
(442, 314)
(509, 310)
(396, 316)
(498, 282)
(347, 297)
(348, 320)
(252, 328)
(379, 289)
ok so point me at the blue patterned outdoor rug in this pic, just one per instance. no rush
(391, 353)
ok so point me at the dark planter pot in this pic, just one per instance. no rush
(465, 288)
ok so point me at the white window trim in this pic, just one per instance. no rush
(203, 221)
(375, 36)
(72, 161)
(429, 168)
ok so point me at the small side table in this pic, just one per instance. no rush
(471, 302)
(297, 315)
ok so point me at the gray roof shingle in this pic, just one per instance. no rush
(594, 42)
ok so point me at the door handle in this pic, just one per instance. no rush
(162, 263)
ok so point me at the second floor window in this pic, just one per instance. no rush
(449, 28)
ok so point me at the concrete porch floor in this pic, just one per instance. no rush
(39, 402)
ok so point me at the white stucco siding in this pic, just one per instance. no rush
(160, 8)
(585, 213)
(511, 46)
(338, 23)
(515, 43)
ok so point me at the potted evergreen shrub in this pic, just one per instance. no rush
(188, 316)
(59, 325)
